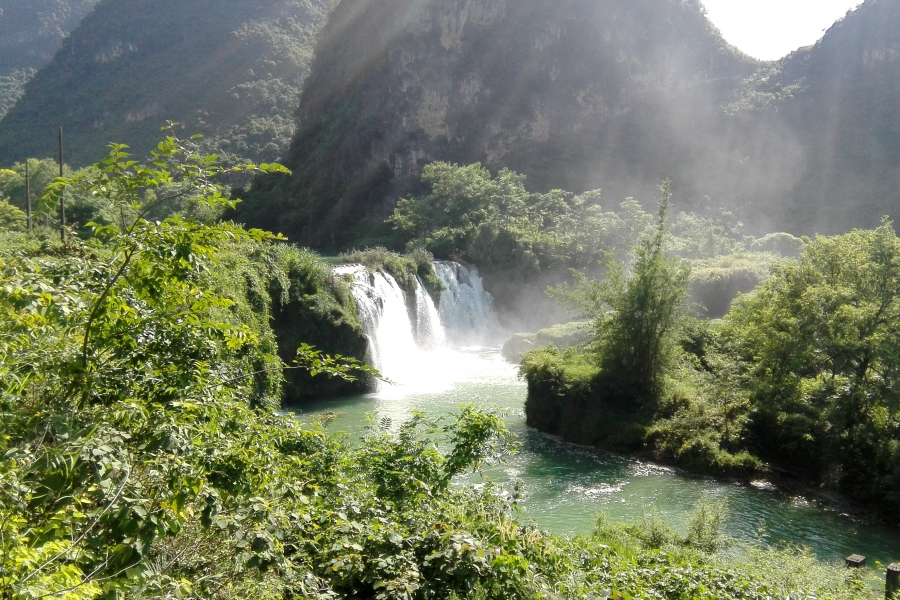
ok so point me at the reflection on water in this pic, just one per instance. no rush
(566, 485)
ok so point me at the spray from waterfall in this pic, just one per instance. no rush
(415, 343)
(466, 309)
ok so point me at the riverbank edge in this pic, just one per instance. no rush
(544, 412)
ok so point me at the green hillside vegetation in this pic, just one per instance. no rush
(523, 241)
(797, 374)
(12, 87)
(142, 455)
(232, 71)
(31, 31)
(614, 94)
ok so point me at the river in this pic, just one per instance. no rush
(564, 486)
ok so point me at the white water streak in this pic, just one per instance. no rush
(466, 309)
(409, 343)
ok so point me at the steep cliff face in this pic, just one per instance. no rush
(846, 112)
(574, 93)
(580, 94)
(230, 69)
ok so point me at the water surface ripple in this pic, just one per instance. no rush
(566, 486)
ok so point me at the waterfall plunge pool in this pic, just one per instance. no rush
(442, 358)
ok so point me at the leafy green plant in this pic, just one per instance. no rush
(119, 368)
(634, 315)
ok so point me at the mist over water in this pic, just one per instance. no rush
(466, 308)
(420, 350)
(414, 344)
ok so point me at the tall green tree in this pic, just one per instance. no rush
(634, 313)
(821, 341)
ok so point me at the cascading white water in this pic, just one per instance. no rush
(466, 309)
(408, 340)
(429, 330)
(382, 311)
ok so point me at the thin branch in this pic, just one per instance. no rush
(85, 533)
(95, 311)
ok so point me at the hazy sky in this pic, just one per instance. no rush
(770, 29)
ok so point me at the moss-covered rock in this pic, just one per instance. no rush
(292, 296)
(404, 268)
(565, 398)
(563, 335)
(715, 282)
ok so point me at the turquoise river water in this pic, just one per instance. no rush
(565, 486)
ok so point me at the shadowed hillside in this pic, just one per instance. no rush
(584, 94)
(229, 69)
(31, 31)
(846, 112)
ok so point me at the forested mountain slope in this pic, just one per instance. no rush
(576, 94)
(31, 31)
(846, 113)
(580, 94)
(230, 69)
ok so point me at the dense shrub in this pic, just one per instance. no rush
(819, 341)
(140, 456)
(404, 268)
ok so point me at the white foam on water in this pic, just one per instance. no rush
(409, 342)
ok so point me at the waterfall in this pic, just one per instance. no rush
(466, 309)
(381, 305)
(430, 332)
(411, 341)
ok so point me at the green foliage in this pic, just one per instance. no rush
(799, 373)
(42, 173)
(819, 343)
(705, 526)
(117, 366)
(697, 237)
(11, 218)
(499, 225)
(792, 567)
(290, 297)
(408, 464)
(653, 532)
(634, 315)
(404, 268)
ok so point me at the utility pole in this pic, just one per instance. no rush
(62, 198)
(28, 198)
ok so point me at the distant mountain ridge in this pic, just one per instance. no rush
(576, 94)
(31, 31)
(230, 69)
(580, 94)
